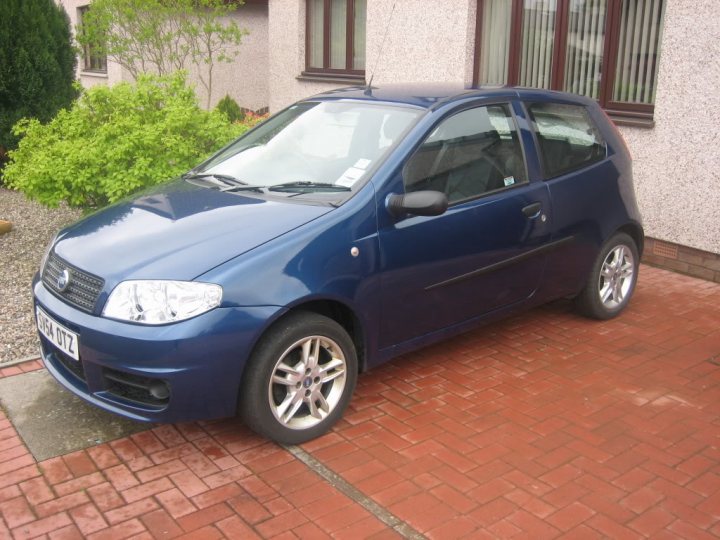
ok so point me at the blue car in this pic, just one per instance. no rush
(345, 230)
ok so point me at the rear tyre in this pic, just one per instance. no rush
(612, 280)
(299, 380)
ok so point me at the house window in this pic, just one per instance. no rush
(608, 50)
(93, 60)
(336, 37)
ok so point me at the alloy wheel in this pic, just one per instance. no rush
(616, 276)
(307, 382)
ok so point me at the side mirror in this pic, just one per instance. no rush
(419, 203)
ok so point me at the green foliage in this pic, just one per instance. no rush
(37, 64)
(163, 36)
(115, 141)
(229, 107)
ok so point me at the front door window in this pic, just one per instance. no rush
(471, 153)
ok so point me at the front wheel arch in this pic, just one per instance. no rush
(339, 312)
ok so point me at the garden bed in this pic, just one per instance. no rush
(33, 226)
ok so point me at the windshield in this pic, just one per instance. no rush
(312, 148)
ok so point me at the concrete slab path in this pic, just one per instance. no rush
(52, 421)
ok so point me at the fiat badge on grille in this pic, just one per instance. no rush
(63, 280)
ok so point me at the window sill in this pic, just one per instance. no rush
(98, 74)
(628, 119)
(356, 80)
(624, 121)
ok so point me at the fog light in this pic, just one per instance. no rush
(159, 390)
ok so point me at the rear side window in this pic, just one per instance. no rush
(567, 136)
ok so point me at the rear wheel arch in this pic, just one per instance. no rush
(612, 280)
(634, 231)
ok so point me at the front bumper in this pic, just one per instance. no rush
(200, 360)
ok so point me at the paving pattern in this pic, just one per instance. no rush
(545, 425)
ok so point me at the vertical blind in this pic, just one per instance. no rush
(359, 34)
(585, 43)
(333, 27)
(317, 15)
(338, 33)
(538, 39)
(639, 51)
(495, 48)
(517, 40)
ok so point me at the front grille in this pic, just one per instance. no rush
(83, 288)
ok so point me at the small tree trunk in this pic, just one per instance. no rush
(209, 86)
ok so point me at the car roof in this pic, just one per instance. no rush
(432, 95)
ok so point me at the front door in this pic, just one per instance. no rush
(486, 251)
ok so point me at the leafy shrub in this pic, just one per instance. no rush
(115, 141)
(37, 64)
(229, 107)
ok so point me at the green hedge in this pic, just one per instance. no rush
(115, 141)
(37, 64)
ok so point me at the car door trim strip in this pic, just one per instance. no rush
(551, 246)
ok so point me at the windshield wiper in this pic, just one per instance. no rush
(307, 185)
(231, 183)
(224, 178)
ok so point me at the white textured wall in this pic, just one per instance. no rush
(287, 55)
(427, 40)
(677, 163)
(245, 80)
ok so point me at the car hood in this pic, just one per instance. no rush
(177, 232)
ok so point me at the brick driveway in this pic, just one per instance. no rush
(545, 425)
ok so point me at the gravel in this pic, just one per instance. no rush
(20, 252)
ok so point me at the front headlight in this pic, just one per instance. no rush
(161, 302)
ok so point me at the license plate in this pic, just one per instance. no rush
(61, 337)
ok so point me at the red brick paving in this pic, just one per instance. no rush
(545, 425)
(171, 482)
(33, 365)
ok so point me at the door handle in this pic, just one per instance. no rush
(532, 210)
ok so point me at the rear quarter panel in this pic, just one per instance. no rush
(589, 205)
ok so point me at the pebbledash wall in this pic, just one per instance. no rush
(245, 80)
(676, 162)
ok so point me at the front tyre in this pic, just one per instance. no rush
(612, 280)
(300, 379)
